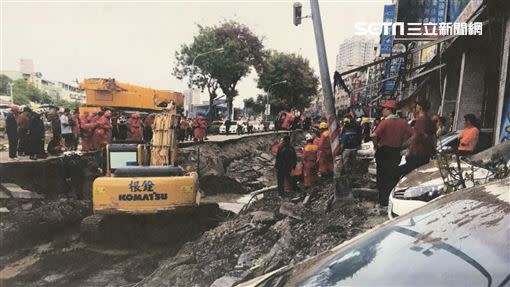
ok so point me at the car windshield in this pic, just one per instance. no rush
(458, 240)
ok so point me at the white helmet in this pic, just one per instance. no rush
(308, 137)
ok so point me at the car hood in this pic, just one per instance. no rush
(426, 174)
(459, 240)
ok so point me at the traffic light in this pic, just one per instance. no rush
(297, 13)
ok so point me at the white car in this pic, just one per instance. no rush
(257, 126)
(425, 183)
(366, 151)
(233, 128)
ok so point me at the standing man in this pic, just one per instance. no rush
(135, 132)
(183, 127)
(147, 128)
(350, 140)
(11, 128)
(310, 151)
(285, 162)
(228, 123)
(102, 132)
(23, 126)
(389, 137)
(422, 144)
(66, 128)
(76, 129)
(54, 119)
(122, 127)
(86, 132)
(36, 136)
(199, 129)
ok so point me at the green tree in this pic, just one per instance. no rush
(255, 107)
(301, 83)
(242, 50)
(4, 85)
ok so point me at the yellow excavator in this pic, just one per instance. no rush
(139, 179)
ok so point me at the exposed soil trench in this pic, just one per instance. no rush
(41, 245)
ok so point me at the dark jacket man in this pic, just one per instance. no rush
(285, 162)
(389, 137)
(11, 128)
(36, 136)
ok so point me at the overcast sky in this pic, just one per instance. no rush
(135, 41)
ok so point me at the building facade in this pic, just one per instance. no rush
(354, 52)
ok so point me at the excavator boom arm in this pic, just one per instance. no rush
(111, 93)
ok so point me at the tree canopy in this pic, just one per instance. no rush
(25, 93)
(255, 107)
(300, 86)
(242, 50)
(4, 85)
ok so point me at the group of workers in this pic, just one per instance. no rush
(26, 130)
(195, 129)
(316, 159)
(99, 128)
(391, 136)
(25, 133)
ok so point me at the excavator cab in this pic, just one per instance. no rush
(131, 187)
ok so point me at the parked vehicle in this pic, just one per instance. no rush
(426, 183)
(459, 240)
(366, 151)
(233, 128)
(3, 117)
(257, 126)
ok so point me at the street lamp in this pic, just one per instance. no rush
(192, 66)
(206, 53)
(267, 96)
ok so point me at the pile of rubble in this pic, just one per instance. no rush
(254, 172)
(271, 233)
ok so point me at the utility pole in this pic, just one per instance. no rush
(342, 188)
(12, 94)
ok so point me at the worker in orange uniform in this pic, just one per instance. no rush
(287, 120)
(85, 134)
(469, 135)
(199, 129)
(309, 157)
(325, 154)
(102, 130)
(135, 128)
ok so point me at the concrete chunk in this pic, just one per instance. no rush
(291, 210)
(4, 210)
(266, 156)
(4, 195)
(19, 193)
(263, 217)
(225, 281)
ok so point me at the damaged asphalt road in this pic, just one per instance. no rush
(269, 234)
(224, 250)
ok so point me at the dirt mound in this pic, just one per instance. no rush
(271, 233)
(22, 227)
